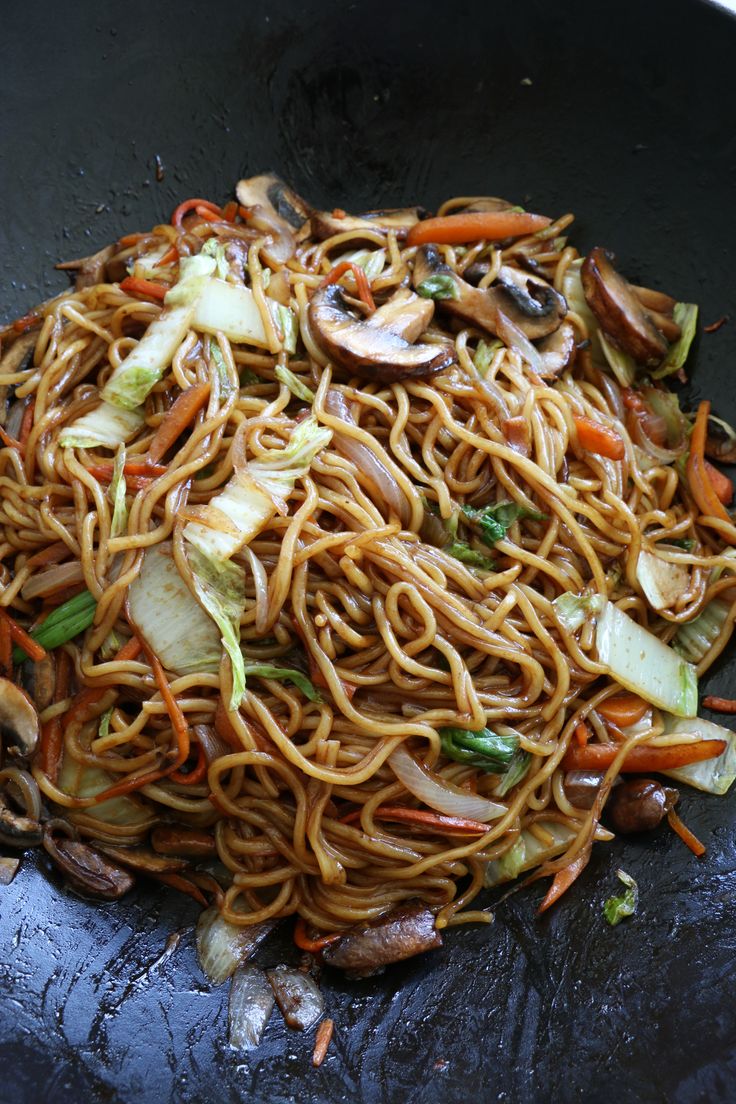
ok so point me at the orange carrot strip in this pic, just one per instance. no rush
(176, 881)
(10, 442)
(322, 1041)
(170, 256)
(598, 757)
(303, 941)
(148, 289)
(6, 648)
(720, 483)
(598, 438)
(51, 743)
(623, 709)
(30, 646)
(471, 226)
(191, 205)
(25, 323)
(423, 817)
(687, 837)
(130, 239)
(224, 729)
(194, 776)
(229, 211)
(177, 419)
(582, 734)
(26, 425)
(178, 720)
(698, 479)
(361, 280)
(720, 705)
(563, 879)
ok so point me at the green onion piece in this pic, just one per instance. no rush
(300, 680)
(441, 286)
(462, 551)
(495, 521)
(485, 749)
(484, 354)
(517, 768)
(617, 909)
(64, 623)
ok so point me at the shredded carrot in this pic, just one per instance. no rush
(303, 941)
(26, 425)
(339, 213)
(130, 239)
(51, 742)
(598, 438)
(6, 648)
(194, 776)
(361, 280)
(563, 879)
(138, 475)
(471, 226)
(230, 211)
(623, 709)
(170, 257)
(30, 646)
(687, 837)
(424, 818)
(176, 881)
(224, 729)
(582, 734)
(8, 441)
(208, 215)
(698, 479)
(322, 1041)
(715, 326)
(720, 705)
(192, 205)
(148, 289)
(176, 419)
(598, 757)
(25, 323)
(178, 720)
(720, 483)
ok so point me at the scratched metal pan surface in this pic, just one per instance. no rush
(620, 112)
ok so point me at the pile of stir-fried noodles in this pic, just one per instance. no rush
(348, 562)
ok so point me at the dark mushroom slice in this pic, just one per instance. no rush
(400, 934)
(175, 839)
(18, 718)
(16, 353)
(145, 861)
(618, 309)
(557, 350)
(85, 869)
(405, 314)
(87, 271)
(325, 224)
(370, 350)
(529, 303)
(275, 210)
(720, 443)
(39, 680)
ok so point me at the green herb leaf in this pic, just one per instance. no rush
(617, 909)
(441, 286)
(286, 322)
(104, 728)
(517, 768)
(249, 377)
(462, 551)
(64, 623)
(686, 543)
(495, 521)
(686, 317)
(484, 354)
(485, 749)
(300, 680)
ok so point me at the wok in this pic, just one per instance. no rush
(622, 113)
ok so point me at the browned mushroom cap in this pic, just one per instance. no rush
(405, 314)
(87, 271)
(144, 860)
(532, 305)
(399, 934)
(619, 310)
(85, 869)
(557, 350)
(326, 224)
(365, 346)
(18, 718)
(276, 210)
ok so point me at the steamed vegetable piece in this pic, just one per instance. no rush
(711, 775)
(257, 490)
(107, 426)
(220, 587)
(439, 794)
(617, 909)
(145, 365)
(231, 309)
(529, 852)
(694, 639)
(223, 947)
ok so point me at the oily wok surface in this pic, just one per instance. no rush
(624, 122)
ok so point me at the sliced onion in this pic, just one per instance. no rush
(27, 788)
(514, 338)
(56, 578)
(222, 946)
(213, 745)
(365, 459)
(251, 1004)
(442, 796)
(297, 996)
(658, 452)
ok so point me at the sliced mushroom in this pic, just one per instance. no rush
(87, 271)
(147, 862)
(16, 829)
(720, 443)
(369, 350)
(654, 300)
(400, 934)
(326, 224)
(405, 314)
(12, 360)
(618, 309)
(18, 718)
(557, 350)
(174, 839)
(85, 869)
(275, 209)
(39, 679)
(531, 305)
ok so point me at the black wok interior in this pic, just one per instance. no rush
(622, 113)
